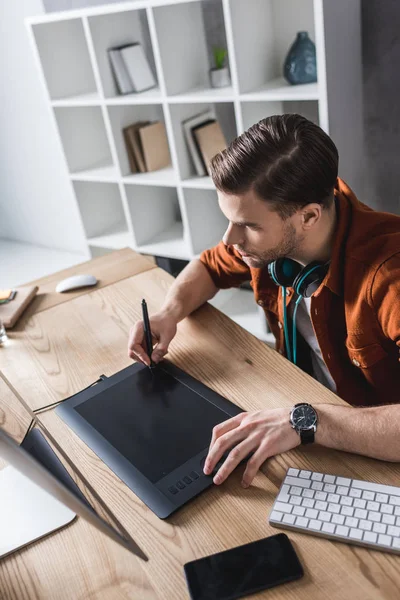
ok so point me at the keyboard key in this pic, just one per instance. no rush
(333, 508)
(343, 481)
(308, 503)
(320, 505)
(397, 511)
(376, 487)
(342, 530)
(368, 495)
(379, 528)
(360, 513)
(329, 479)
(299, 511)
(382, 498)
(276, 516)
(373, 505)
(308, 493)
(305, 474)
(355, 493)
(385, 540)
(285, 489)
(346, 500)
(386, 508)
(398, 521)
(320, 495)
(284, 497)
(338, 519)
(394, 500)
(295, 490)
(370, 536)
(343, 491)
(366, 525)
(283, 507)
(328, 527)
(374, 516)
(333, 498)
(351, 522)
(324, 516)
(295, 500)
(388, 519)
(359, 503)
(293, 472)
(304, 483)
(348, 511)
(356, 534)
(289, 519)
(317, 485)
(313, 524)
(301, 522)
(311, 513)
(396, 543)
(317, 476)
(330, 488)
(392, 530)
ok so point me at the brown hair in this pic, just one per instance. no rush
(286, 159)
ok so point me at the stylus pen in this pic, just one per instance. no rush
(147, 332)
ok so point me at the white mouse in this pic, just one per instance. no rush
(75, 282)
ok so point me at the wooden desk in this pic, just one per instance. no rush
(64, 348)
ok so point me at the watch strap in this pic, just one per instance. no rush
(307, 436)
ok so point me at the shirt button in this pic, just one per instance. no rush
(355, 362)
(329, 356)
(315, 311)
(260, 302)
(280, 327)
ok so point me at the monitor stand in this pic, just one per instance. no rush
(27, 512)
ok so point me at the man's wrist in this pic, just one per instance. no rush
(331, 418)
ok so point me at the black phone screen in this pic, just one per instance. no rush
(243, 570)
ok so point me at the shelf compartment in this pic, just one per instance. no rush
(185, 47)
(122, 116)
(84, 138)
(206, 222)
(117, 29)
(252, 112)
(156, 221)
(102, 214)
(263, 31)
(65, 59)
(225, 114)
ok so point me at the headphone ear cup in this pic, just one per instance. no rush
(284, 271)
(310, 278)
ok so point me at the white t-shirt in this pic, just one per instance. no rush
(304, 326)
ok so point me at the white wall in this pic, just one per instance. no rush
(37, 205)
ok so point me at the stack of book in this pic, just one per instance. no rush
(205, 139)
(131, 69)
(147, 146)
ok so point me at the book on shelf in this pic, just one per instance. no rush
(147, 146)
(188, 126)
(210, 140)
(131, 69)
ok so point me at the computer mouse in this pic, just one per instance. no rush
(75, 282)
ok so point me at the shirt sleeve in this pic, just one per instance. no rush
(225, 266)
(385, 292)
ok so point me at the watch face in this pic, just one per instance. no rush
(304, 417)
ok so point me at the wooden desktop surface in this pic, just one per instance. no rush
(68, 346)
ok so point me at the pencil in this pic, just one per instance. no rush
(147, 332)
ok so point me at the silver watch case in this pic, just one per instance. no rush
(298, 428)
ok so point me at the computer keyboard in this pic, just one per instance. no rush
(339, 508)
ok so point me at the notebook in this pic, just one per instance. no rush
(11, 312)
(211, 140)
(155, 146)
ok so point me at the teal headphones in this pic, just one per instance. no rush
(305, 281)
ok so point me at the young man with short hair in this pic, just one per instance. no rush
(277, 185)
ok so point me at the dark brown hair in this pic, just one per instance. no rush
(286, 159)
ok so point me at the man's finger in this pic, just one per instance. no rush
(226, 426)
(136, 335)
(235, 456)
(255, 462)
(137, 353)
(222, 444)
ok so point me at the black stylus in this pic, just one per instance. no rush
(147, 332)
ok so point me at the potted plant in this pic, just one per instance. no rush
(219, 76)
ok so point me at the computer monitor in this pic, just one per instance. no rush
(26, 464)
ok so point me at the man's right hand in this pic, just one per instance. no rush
(163, 329)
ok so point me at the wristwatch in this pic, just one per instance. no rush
(304, 419)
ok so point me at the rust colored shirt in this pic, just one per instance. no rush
(356, 310)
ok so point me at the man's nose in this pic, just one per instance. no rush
(233, 235)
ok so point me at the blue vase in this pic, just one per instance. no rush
(301, 62)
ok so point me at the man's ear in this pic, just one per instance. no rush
(310, 215)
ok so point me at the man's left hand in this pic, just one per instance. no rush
(265, 433)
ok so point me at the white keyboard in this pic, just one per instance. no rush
(346, 510)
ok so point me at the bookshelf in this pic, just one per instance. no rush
(172, 212)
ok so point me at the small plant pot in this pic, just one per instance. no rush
(220, 77)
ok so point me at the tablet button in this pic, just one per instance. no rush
(180, 485)
(187, 479)
(194, 475)
(173, 489)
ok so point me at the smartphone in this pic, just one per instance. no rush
(243, 570)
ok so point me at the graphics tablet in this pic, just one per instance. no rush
(152, 427)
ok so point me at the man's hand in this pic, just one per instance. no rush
(265, 432)
(163, 330)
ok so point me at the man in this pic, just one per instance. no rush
(277, 185)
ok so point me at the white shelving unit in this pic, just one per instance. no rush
(172, 212)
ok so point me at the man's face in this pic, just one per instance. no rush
(257, 232)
